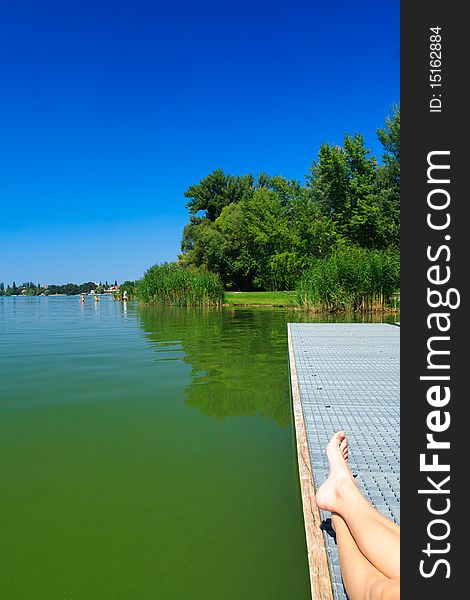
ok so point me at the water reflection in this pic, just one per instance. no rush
(238, 357)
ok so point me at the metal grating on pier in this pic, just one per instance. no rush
(348, 378)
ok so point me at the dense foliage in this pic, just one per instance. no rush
(263, 233)
(171, 284)
(351, 278)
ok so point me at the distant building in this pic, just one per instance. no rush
(112, 289)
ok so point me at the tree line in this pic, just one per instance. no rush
(31, 289)
(265, 232)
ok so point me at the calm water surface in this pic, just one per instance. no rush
(147, 453)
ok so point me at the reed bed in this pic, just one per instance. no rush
(351, 279)
(172, 284)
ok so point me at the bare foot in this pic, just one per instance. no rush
(340, 474)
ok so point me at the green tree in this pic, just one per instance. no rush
(388, 175)
(344, 184)
(389, 136)
(253, 230)
(328, 179)
(216, 191)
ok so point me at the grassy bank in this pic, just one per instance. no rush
(275, 299)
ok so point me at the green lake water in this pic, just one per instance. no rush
(147, 453)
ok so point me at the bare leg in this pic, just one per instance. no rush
(361, 579)
(377, 537)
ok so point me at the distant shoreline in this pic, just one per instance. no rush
(53, 295)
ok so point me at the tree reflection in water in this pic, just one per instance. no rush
(238, 357)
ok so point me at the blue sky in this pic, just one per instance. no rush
(110, 109)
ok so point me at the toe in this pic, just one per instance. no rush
(339, 437)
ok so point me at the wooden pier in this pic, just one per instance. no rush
(345, 376)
